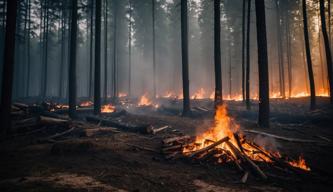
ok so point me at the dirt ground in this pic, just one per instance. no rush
(127, 161)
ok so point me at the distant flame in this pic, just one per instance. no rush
(108, 108)
(86, 104)
(122, 95)
(144, 101)
(199, 94)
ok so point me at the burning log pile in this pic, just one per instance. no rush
(224, 144)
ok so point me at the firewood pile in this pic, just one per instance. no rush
(246, 156)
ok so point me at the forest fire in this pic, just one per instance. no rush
(122, 94)
(108, 108)
(86, 104)
(224, 143)
(144, 101)
(199, 94)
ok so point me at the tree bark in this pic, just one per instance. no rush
(154, 53)
(185, 73)
(248, 60)
(327, 49)
(115, 36)
(105, 51)
(8, 67)
(280, 50)
(217, 52)
(130, 50)
(97, 82)
(308, 57)
(27, 92)
(72, 63)
(243, 50)
(263, 64)
(91, 49)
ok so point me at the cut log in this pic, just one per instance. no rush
(100, 130)
(21, 105)
(173, 139)
(153, 131)
(209, 147)
(171, 149)
(119, 125)
(51, 120)
(281, 137)
(248, 160)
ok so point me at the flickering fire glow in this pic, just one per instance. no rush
(199, 94)
(86, 104)
(144, 101)
(108, 108)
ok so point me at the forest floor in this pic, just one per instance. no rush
(128, 161)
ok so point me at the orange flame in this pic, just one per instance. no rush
(144, 101)
(122, 94)
(199, 94)
(300, 163)
(108, 108)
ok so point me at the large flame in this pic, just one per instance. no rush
(225, 126)
(108, 108)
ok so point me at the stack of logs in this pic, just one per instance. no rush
(173, 148)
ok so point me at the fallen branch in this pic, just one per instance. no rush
(173, 139)
(51, 120)
(153, 131)
(281, 137)
(225, 139)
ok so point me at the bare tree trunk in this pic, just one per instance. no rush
(8, 67)
(154, 55)
(217, 52)
(91, 49)
(248, 60)
(27, 92)
(263, 64)
(72, 62)
(308, 57)
(105, 51)
(97, 82)
(185, 73)
(280, 50)
(243, 50)
(130, 50)
(327, 49)
(289, 54)
(115, 36)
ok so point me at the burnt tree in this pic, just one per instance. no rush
(185, 73)
(327, 48)
(308, 56)
(262, 64)
(217, 52)
(72, 62)
(243, 50)
(97, 82)
(248, 61)
(8, 67)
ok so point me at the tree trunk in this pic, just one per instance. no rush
(327, 49)
(280, 50)
(72, 63)
(97, 86)
(8, 67)
(308, 57)
(248, 60)
(288, 52)
(243, 50)
(130, 49)
(105, 51)
(27, 92)
(45, 48)
(115, 36)
(154, 54)
(185, 73)
(263, 64)
(217, 52)
(91, 49)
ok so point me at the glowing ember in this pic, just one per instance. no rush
(86, 104)
(144, 101)
(300, 163)
(199, 94)
(169, 94)
(108, 108)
